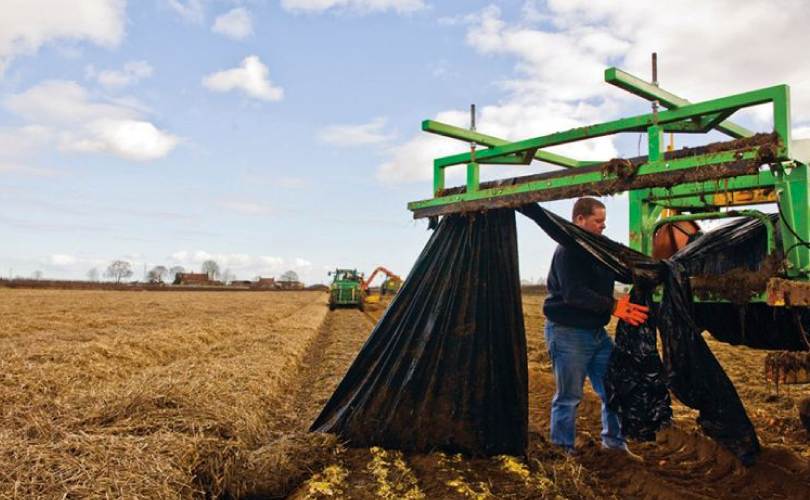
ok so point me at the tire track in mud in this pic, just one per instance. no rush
(292, 454)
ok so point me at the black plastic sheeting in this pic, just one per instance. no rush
(755, 325)
(635, 383)
(635, 379)
(694, 375)
(738, 244)
(446, 366)
(742, 244)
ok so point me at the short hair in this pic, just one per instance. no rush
(585, 207)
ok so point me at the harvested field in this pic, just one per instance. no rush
(209, 395)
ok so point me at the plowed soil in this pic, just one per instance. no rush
(682, 464)
(192, 396)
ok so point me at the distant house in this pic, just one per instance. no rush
(247, 283)
(291, 285)
(196, 279)
(265, 284)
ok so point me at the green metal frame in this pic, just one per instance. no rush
(787, 177)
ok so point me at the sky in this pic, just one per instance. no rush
(284, 135)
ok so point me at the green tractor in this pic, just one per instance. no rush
(346, 289)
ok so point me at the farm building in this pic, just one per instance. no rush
(194, 279)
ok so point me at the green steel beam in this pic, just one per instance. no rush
(704, 203)
(453, 132)
(761, 180)
(591, 177)
(779, 95)
(639, 87)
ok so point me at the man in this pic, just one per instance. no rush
(578, 307)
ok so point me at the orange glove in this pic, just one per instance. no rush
(627, 311)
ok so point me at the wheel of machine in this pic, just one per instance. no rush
(361, 305)
(331, 305)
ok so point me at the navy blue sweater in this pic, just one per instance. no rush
(580, 290)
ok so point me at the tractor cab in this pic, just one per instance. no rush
(346, 289)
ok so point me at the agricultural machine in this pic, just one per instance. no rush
(672, 188)
(346, 289)
(390, 285)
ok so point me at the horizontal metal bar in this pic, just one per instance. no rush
(453, 132)
(739, 101)
(760, 180)
(669, 172)
(639, 87)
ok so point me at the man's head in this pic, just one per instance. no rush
(589, 214)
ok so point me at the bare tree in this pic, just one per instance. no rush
(289, 277)
(118, 270)
(228, 276)
(157, 274)
(37, 275)
(174, 271)
(92, 274)
(211, 268)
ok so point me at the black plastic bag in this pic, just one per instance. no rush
(446, 366)
(635, 379)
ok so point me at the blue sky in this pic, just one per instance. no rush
(276, 135)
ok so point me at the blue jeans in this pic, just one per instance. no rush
(575, 353)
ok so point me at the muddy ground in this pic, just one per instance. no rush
(682, 464)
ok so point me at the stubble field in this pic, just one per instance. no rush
(209, 395)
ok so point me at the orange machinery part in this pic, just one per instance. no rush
(365, 284)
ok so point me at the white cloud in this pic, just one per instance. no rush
(248, 207)
(26, 25)
(201, 256)
(190, 10)
(63, 102)
(129, 139)
(235, 24)
(361, 6)
(179, 256)
(356, 135)
(298, 262)
(252, 77)
(62, 260)
(132, 73)
(80, 121)
(562, 47)
(18, 142)
(27, 170)
(269, 261)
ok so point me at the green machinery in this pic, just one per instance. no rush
(749, 169)
(346, 289)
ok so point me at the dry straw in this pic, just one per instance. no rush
(151, 395)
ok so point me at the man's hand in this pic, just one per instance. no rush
(627, 311)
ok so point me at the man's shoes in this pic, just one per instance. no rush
(624, 452)
(567, 450)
